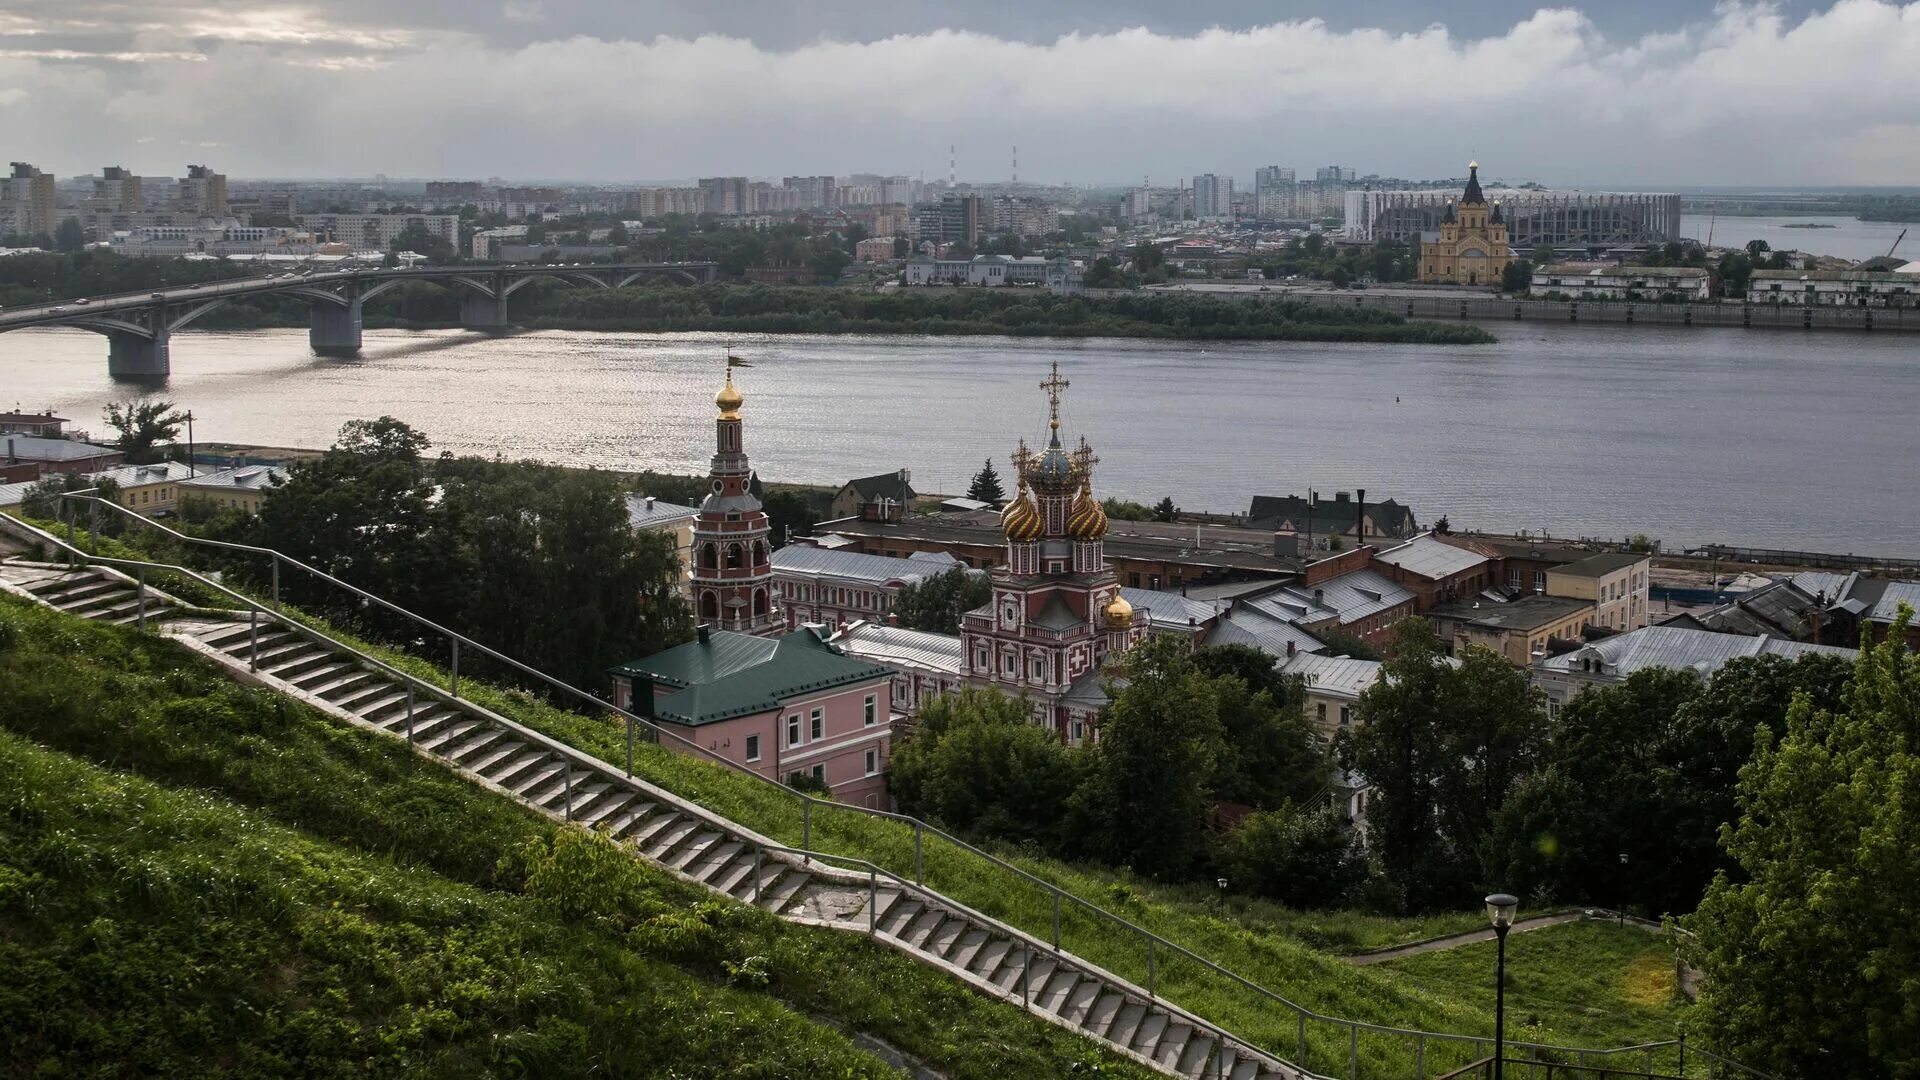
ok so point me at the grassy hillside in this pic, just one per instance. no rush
(260, 890)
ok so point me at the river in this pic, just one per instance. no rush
(1754, 437)
(1847, 237)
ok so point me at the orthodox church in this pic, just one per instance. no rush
(1471, 247)
(1057, 615)
(732, 577)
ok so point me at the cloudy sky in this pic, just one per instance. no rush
(1625, 92)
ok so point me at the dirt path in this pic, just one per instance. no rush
(1451, 941)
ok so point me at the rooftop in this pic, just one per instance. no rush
(1348, 598)
(35, 448)
(1223, 547)
(1527, 614)
(245, 478)
(1337, 676)
(856, 566)
(30, 418)
(1701, 651)
(1246, 626)
(1596, 566)
(886, 644)
(1170, 610)
(1430, 558)
(894, 485)
(731, 675)
(645, 512)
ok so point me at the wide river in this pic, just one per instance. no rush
(1752, 437)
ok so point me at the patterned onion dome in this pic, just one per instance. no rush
(728, 399)
(1053, 470)
(1021, 519)
(1086, 521)
(1119, 613)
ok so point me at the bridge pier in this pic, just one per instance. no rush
(335, 329)
(479, 311)
(136, 356)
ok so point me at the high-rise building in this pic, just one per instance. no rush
(203, 192)
(118, 191)
(26, 201)
(1338, 174)
(896, 189)
(815, 192)
(1024, 217)
(725, 194)
(733, 564)
(960, 219)
(1212, 197)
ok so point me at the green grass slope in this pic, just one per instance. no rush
(222, 882)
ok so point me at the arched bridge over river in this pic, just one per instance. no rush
(139, 326)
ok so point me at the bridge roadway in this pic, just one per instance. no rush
(139, 326)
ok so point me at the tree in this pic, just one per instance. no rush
(1812, 965)
(1757, 248)
(382, 441)
(143, 425)
(977, 763)
(936, 604)
(70, 236)
(1125, 510)
(1164, 510)
(1105, 274)
(1398, 743)
(1495, 734)
(420, 240)
(1517, 276)
(1302, 858)
(1147, 794)
(986, 486)
(1269, 753)
(828, 265)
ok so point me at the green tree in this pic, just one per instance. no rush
(143, 426)
(70, 236)
(828, 265)
(1517, 276)
(1269, 752)
(1302, 858)
(977, 763)
(986, 486)
(1757, 248)
(1813, 965)
(936, 604)
(1125, 510)
(420, 240)
(1105, 274)
(1495, 734)
(1164, 510)
(1146, 798)
(1399, 744)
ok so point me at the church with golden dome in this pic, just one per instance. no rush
(1057, 615)
(1471, 247)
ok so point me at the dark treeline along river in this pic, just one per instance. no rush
(1690, 435)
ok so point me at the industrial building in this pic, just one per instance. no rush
(1533, 216)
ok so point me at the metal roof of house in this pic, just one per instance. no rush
(1887, 608)
(1528, 613)
(36, 448)
(890, 485)
(245, 478)
(1430, 558)
(731, 675)
(1702, 651)
(1352, 596)
(1338, 676)
(645, 514)
(858, 566)
(1245, 626)
(1170, 610)
(884, 644)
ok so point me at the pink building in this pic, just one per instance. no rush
(781, 706)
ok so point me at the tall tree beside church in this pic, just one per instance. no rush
(1399, 744)
(1813, 964)
(986, 486)
(937, 603)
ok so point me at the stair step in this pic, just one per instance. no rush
(883, 902)
(316, 659)
(900, 917)
(98, 605)
(1244, 1070)
(662, 843)
(654, 827)
(1147, 1037)
(341, 682)
(492, 754)
(988, 960)
(550, 793)
(69, 595)
(966, 947)
(1016, 964)
(154, 611)
(621, 824)
(1079, 1003)
(221, 636)
(1052, 996)
(922, 928)
(1038, 973)
(592, 814)
(366, 695)
(716, 861)
(942, 940)
(247, 644)
(1126, 1023)
(547, 769)
(1195, 1060)
(512, 765)
(1106, 1009)
(729, 876)
(287, 653)
(1173, 1043)
(683, 856)
(384, 705)
(449, 735)
(777, 896)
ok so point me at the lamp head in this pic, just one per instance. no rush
(1501, 908)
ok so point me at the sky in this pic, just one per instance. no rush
(1626, 93)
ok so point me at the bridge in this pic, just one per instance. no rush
(139, 326)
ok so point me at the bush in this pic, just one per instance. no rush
(1302, 858)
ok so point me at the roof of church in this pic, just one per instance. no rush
(1472, 194)
(731, 675)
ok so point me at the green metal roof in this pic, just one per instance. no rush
(731, 674)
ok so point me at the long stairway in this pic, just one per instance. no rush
(669, 831)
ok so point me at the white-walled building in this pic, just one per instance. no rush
(377, 232)
(1839, 288)
(1612, 282)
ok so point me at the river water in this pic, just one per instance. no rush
(1847, 237)
(1754, 437)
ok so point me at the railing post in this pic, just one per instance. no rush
(806, 828)
(758, 854)
(409, 715)
(1649, 1061)
(1056, 920)
(1682, 1070)
(456, 667)
(1300, 1059)
(140, 598)
(253, 639)
(276, 581)
(873, 900)
(918, 878)
(1353, 1051)
(1026, 970)
(93, 526)
(630, 750)
(1420, 1054)
(1150, 966)
(73, 554)
(566, 791)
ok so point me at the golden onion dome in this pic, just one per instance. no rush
(1087, 520)
(1021, 519)
(1119, 613)
(728, 399)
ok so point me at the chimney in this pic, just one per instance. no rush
(1289, 648)
(706, 635)
(1318, 594)
(1360, 518)
(10, 458)
(649, 502)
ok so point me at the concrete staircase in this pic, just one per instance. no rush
(671, 832)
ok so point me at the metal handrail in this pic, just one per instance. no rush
(1060, 896)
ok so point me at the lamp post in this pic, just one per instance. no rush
(1500, 909)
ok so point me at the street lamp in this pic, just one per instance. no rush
(1500, 909)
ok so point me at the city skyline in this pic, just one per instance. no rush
(1622, 96)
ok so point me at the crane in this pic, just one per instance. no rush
(1896, 242)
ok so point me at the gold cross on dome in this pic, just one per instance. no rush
(1084, 456)
(1053, 385)
(1020, 458)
